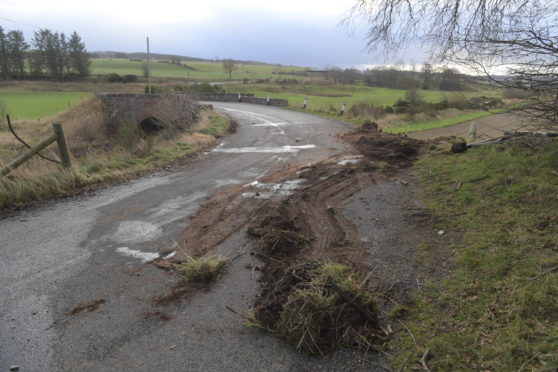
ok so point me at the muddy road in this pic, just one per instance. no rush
(94, 248)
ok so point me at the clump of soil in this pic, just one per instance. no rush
(319, 308)
(394, 149)
(86, 307)
(280, 232)
(233, 126)
(174, 295)
(369, 126)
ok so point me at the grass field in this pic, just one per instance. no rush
(331, 97)
(494, 306)
(209, 71)
(416, 127)
(35, 105)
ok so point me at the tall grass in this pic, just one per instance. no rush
(97, 156)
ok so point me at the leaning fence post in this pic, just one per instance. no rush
(26, 156)
(62, 145)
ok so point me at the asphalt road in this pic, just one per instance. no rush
(54, 257)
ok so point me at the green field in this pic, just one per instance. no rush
(417, 127)
(210, 71)
(35, 105)
(320, 98)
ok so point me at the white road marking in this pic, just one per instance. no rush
(143, 256)
(266, 122)
(266, 150)
(269, 124)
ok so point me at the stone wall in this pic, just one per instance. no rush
(171, 111)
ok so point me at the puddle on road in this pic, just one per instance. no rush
(227, 182)
(269, 124)
(136, 232)
(353, 160)
(267, 150)
(273, 189)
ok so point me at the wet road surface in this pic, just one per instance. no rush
(67, 252)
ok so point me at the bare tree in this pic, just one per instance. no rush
(513, 42)
(229, 65)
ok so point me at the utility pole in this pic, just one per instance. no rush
(148, 68)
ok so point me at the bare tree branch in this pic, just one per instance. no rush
(513, 42)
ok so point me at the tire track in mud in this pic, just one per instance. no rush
(310, 209)
(301, 226)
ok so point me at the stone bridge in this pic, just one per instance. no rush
(151, 112)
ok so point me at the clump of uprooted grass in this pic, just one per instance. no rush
(319, 308)
(201, 270)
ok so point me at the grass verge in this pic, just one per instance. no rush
(495, 310)
(214, 125)
(417, 127)
(98, 158)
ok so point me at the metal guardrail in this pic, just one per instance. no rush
(58, 136)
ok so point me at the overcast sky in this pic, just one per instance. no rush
(290, 32)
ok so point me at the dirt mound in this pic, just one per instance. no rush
(280, 231)
(369, 126)
(392, 148)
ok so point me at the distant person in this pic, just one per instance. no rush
(239, 97)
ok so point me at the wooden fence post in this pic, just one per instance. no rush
(33, 151)
(62, 145)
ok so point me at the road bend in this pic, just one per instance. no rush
(68, 252)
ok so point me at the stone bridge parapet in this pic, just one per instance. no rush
(150, 111)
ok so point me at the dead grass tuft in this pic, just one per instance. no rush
(201, 270)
